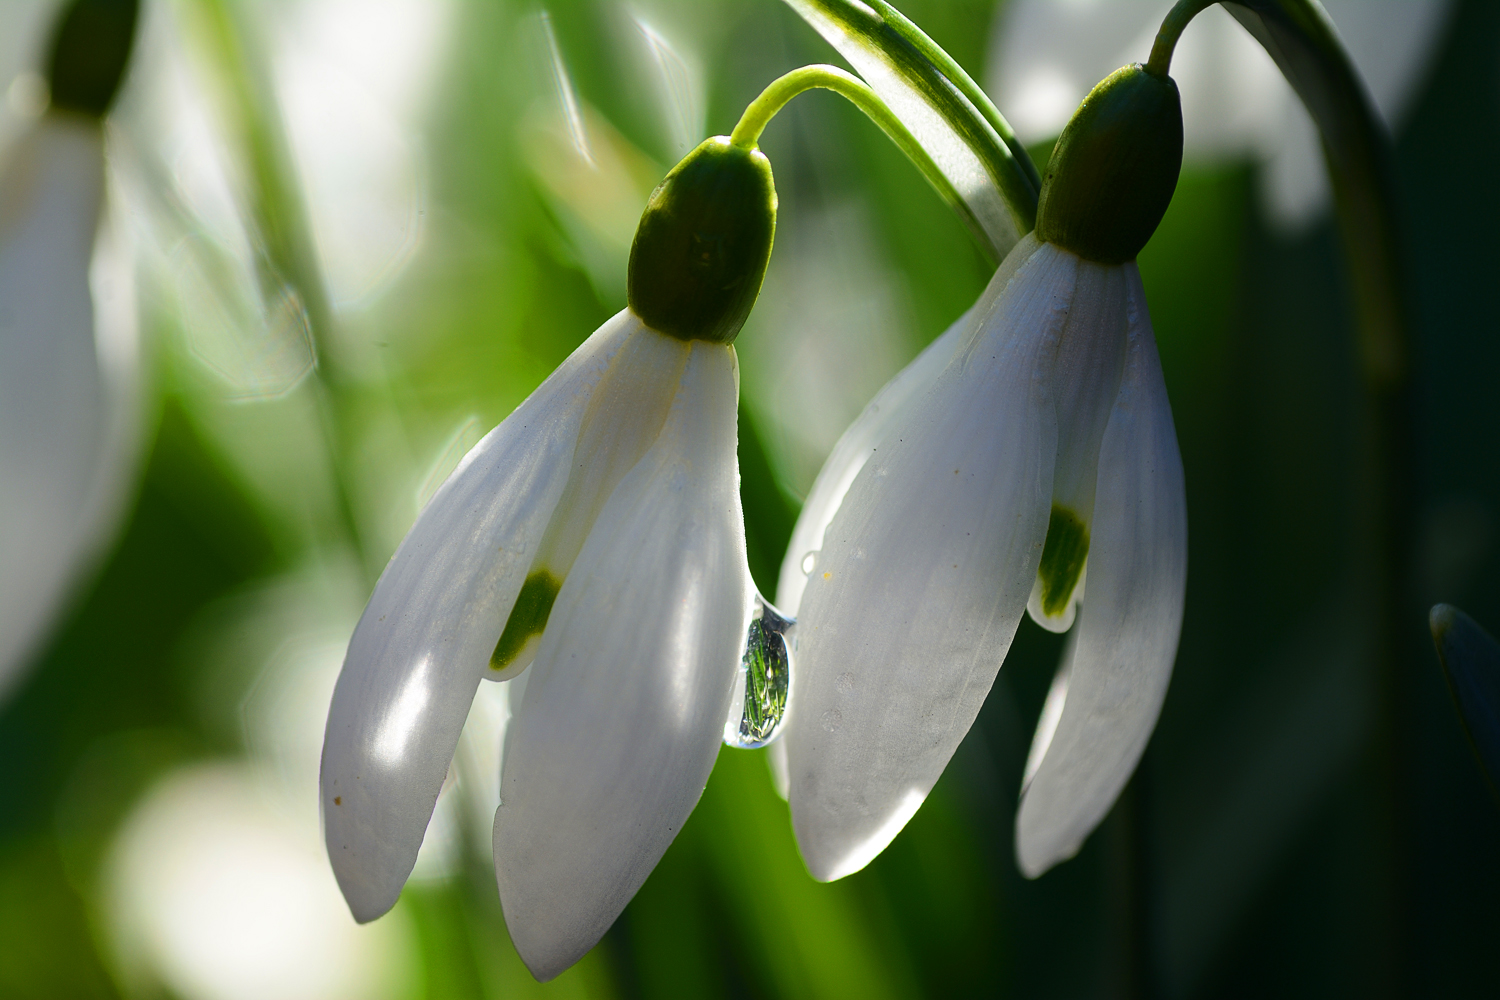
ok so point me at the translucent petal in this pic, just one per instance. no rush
(892, 404)
(52, 405)
(625, 703)
(849, 455)
(1129, 627)
(426, 636)
(923, 577)
(624, 416)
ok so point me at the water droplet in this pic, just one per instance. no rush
(763, 685)
(808, 562)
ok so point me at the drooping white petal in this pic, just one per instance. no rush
(849, 455)
(924, 574)
(52, 393)
(426, 636)
(891, 405)
(625, 704)
(1086, 380)
(1129, 626)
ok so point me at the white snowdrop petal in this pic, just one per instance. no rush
(52, 394)
(849, 455)
(426, 636)
(924, 575)
(624, 417)
(625, 703)
(1129, 626)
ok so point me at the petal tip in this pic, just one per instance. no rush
(832, 853)
(1037, 854)
(366, 903)
(546, 948)
(1440, 619)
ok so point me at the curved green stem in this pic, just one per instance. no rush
(758, 115)
(1171, 29)
(906, 67)
(286, 257)
(975, 94)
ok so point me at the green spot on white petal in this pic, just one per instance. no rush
(527, 619)
(1063, 558)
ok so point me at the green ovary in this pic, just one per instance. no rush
(527, 618)
(1066, 551)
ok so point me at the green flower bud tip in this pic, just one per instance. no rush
(701, 250)
(90, 48)
(1114, 168)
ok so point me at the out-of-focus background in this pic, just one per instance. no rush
(362, 232)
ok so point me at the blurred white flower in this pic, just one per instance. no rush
(216, 892)
(594, 537)
(69, 371)
(1045, 55)
(352, 78)
(24, 29)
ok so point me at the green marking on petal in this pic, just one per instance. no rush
(527, 618)
(1066, 551)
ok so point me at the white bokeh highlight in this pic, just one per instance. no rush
(1045, 56)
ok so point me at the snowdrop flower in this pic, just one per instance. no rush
(64, 402)
(594, 541)
(1046, 53)
(1028, 451)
